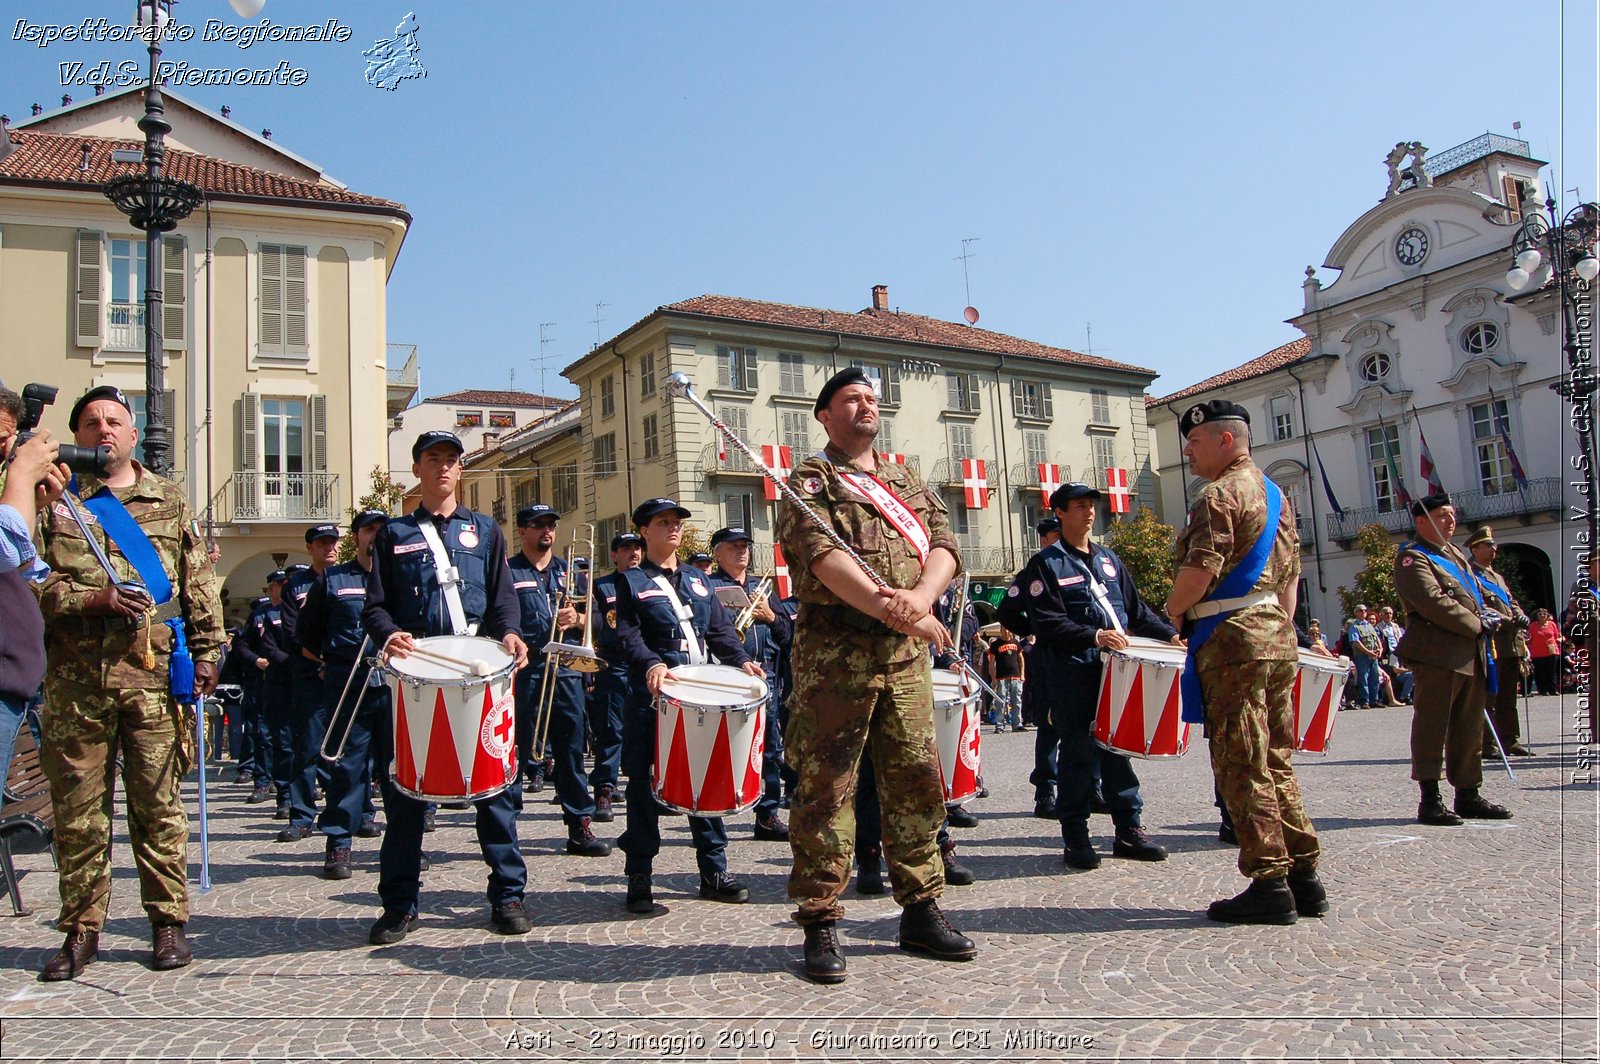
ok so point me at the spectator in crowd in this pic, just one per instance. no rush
(1544, 643)
(1314, 638)
(1006, 666)
(1365, 650)
(1394, 680)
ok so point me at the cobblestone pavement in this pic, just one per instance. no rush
(1472, 943)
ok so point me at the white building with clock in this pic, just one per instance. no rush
(1417, 336)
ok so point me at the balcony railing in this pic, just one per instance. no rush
(125, 326)
(283, 496)
(1542, 495)
(730, 462)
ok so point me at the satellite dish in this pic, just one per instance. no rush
(971, 314)
(247, 8)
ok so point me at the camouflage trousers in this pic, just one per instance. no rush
(1250, 725)
(835, 717)
(85, 730)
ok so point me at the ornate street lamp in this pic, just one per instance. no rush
(155, 204)
(1563, 251)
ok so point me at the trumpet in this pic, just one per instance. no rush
(579, 656)
(747, 616)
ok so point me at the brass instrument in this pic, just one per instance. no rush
(579, 656)
(747, 616)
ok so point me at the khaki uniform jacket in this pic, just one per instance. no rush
(1442, 625)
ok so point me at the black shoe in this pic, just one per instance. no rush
(924, 929)
(422, 862)
(720, 886)
(959, 816)
(337, 864)
(1097, 802)
(1079, 853)
(824, 959)
(1471, 804)
(1226, 835)
(1133, 844)
(869, 871)
(956, 873)
(391, 927)
(257, 796)
(1518, 750)
(1431, 811)
(369, 828)
(430, 820)
(581, 840)
(281, 813)
(771, 828)
(640, 898)
(602, 806)
(168, 948)
(1264, 901)
(510, 919)
(76, 954)
(295, 832)
(536, 779)
(1045, 808)
(1310, 898)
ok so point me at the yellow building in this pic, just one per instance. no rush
(274, 318)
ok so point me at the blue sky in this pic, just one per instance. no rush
(1163, 171)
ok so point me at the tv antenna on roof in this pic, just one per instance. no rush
(544, 338)
(598, 318)
(971, 312)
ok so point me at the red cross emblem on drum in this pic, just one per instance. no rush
(956, 732)
(453, 726)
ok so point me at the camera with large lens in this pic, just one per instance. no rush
(83, 461)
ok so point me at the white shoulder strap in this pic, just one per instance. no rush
(449, 576)
(691, 641)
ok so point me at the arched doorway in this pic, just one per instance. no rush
(1528, 573)
(243, 582)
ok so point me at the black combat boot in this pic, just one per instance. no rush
(1134, 845)
(955, 873)
(924, 929)
(1264, 901)
(869, 871)
(1310, 899)
(1079, 851)
(581, 840)
(1432, 810)
(824, 960)
(1469, 803)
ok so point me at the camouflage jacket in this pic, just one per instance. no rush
(105, 650)
(1226, 519)
(871, 536)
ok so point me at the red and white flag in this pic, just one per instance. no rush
(781, 461)
(1049, 481)
(1117, 490)
(780, 572)
(891, 456)
(975, 483)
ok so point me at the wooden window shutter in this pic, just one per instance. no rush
(88, 320)
(1045, 409)
(1512, 194)
(319, 434)
(749, 369)
(294, 300)
(174, 293)
(891, 385)
(271, 285)
(247, 455)
(972, 392)
(1016, 397)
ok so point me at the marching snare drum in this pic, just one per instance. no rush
(1140, 709)
(711, 724)
(454, 728)
(956, 727)
(1318, 694)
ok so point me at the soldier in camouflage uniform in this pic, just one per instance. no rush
(104, 698)
(1247, 666)
(862, 677)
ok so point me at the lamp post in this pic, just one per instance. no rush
(155, 204)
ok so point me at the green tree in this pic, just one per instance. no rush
(1145, 547)
(694, 541)
(1374, 585)
(385, 495)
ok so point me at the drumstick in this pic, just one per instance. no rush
(752, 689)
(477, 666)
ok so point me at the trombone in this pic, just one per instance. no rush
(579, 656)
(747, 616)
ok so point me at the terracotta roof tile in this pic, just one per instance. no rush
(58, 158)
(1277, 358)
(485, 397)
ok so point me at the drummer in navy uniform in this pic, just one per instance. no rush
(661, 607)
(541, 581)
(407, 600)
(1079, 600)
(308, 717)
(610, 698)
(245, 649)
(329, 626)
(766, 640)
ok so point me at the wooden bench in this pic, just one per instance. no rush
(26, 810)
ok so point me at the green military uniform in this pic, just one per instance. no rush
(858, 685)
(1506, 645)
(1247, 672)
(102, 702)
(1444, 647)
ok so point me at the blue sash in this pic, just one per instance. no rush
(1488, 588)
(1491, 676)
(1234, 584)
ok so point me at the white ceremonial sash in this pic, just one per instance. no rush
(449, 577)
(696, 652)
(892, 509)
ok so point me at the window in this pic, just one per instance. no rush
(1031, 399)
(1030, 514)
(608, 396)
(736, 368)
(1490, 424)
(564, 488)
(961, 520)
(1036, 447)
(885, 440)
(1383, 447)
(282, 291)
(961, 442)
(647, 380)
(737, 418)
(1281, 407)
(1479, 338)
(469, 419)
(1374, 367)
(502, 419)
(794, 431)
(961, 392)
(1105, 457)
(140, 417)
(737, 507)
(652, 437)
(605, 455)
(288, 437)
(1291, 498)
(885, 381)
(525, 492)
(129, 274)
(791, 373)
(1100, 406)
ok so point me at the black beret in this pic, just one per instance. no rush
(1067, 492)
(316, 532)
(105, 391)
(533, 511)
(1215, 410)
(1429, 503)
(853, 375)
(432, 439)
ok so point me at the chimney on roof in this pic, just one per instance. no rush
(66, 100)
(266, 134)
(37, 110)
(880, 297)
(83, 161)
(226, 110)
(99, 90)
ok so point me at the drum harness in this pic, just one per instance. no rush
(691, 640)
(449, 579)
(1097, 590)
